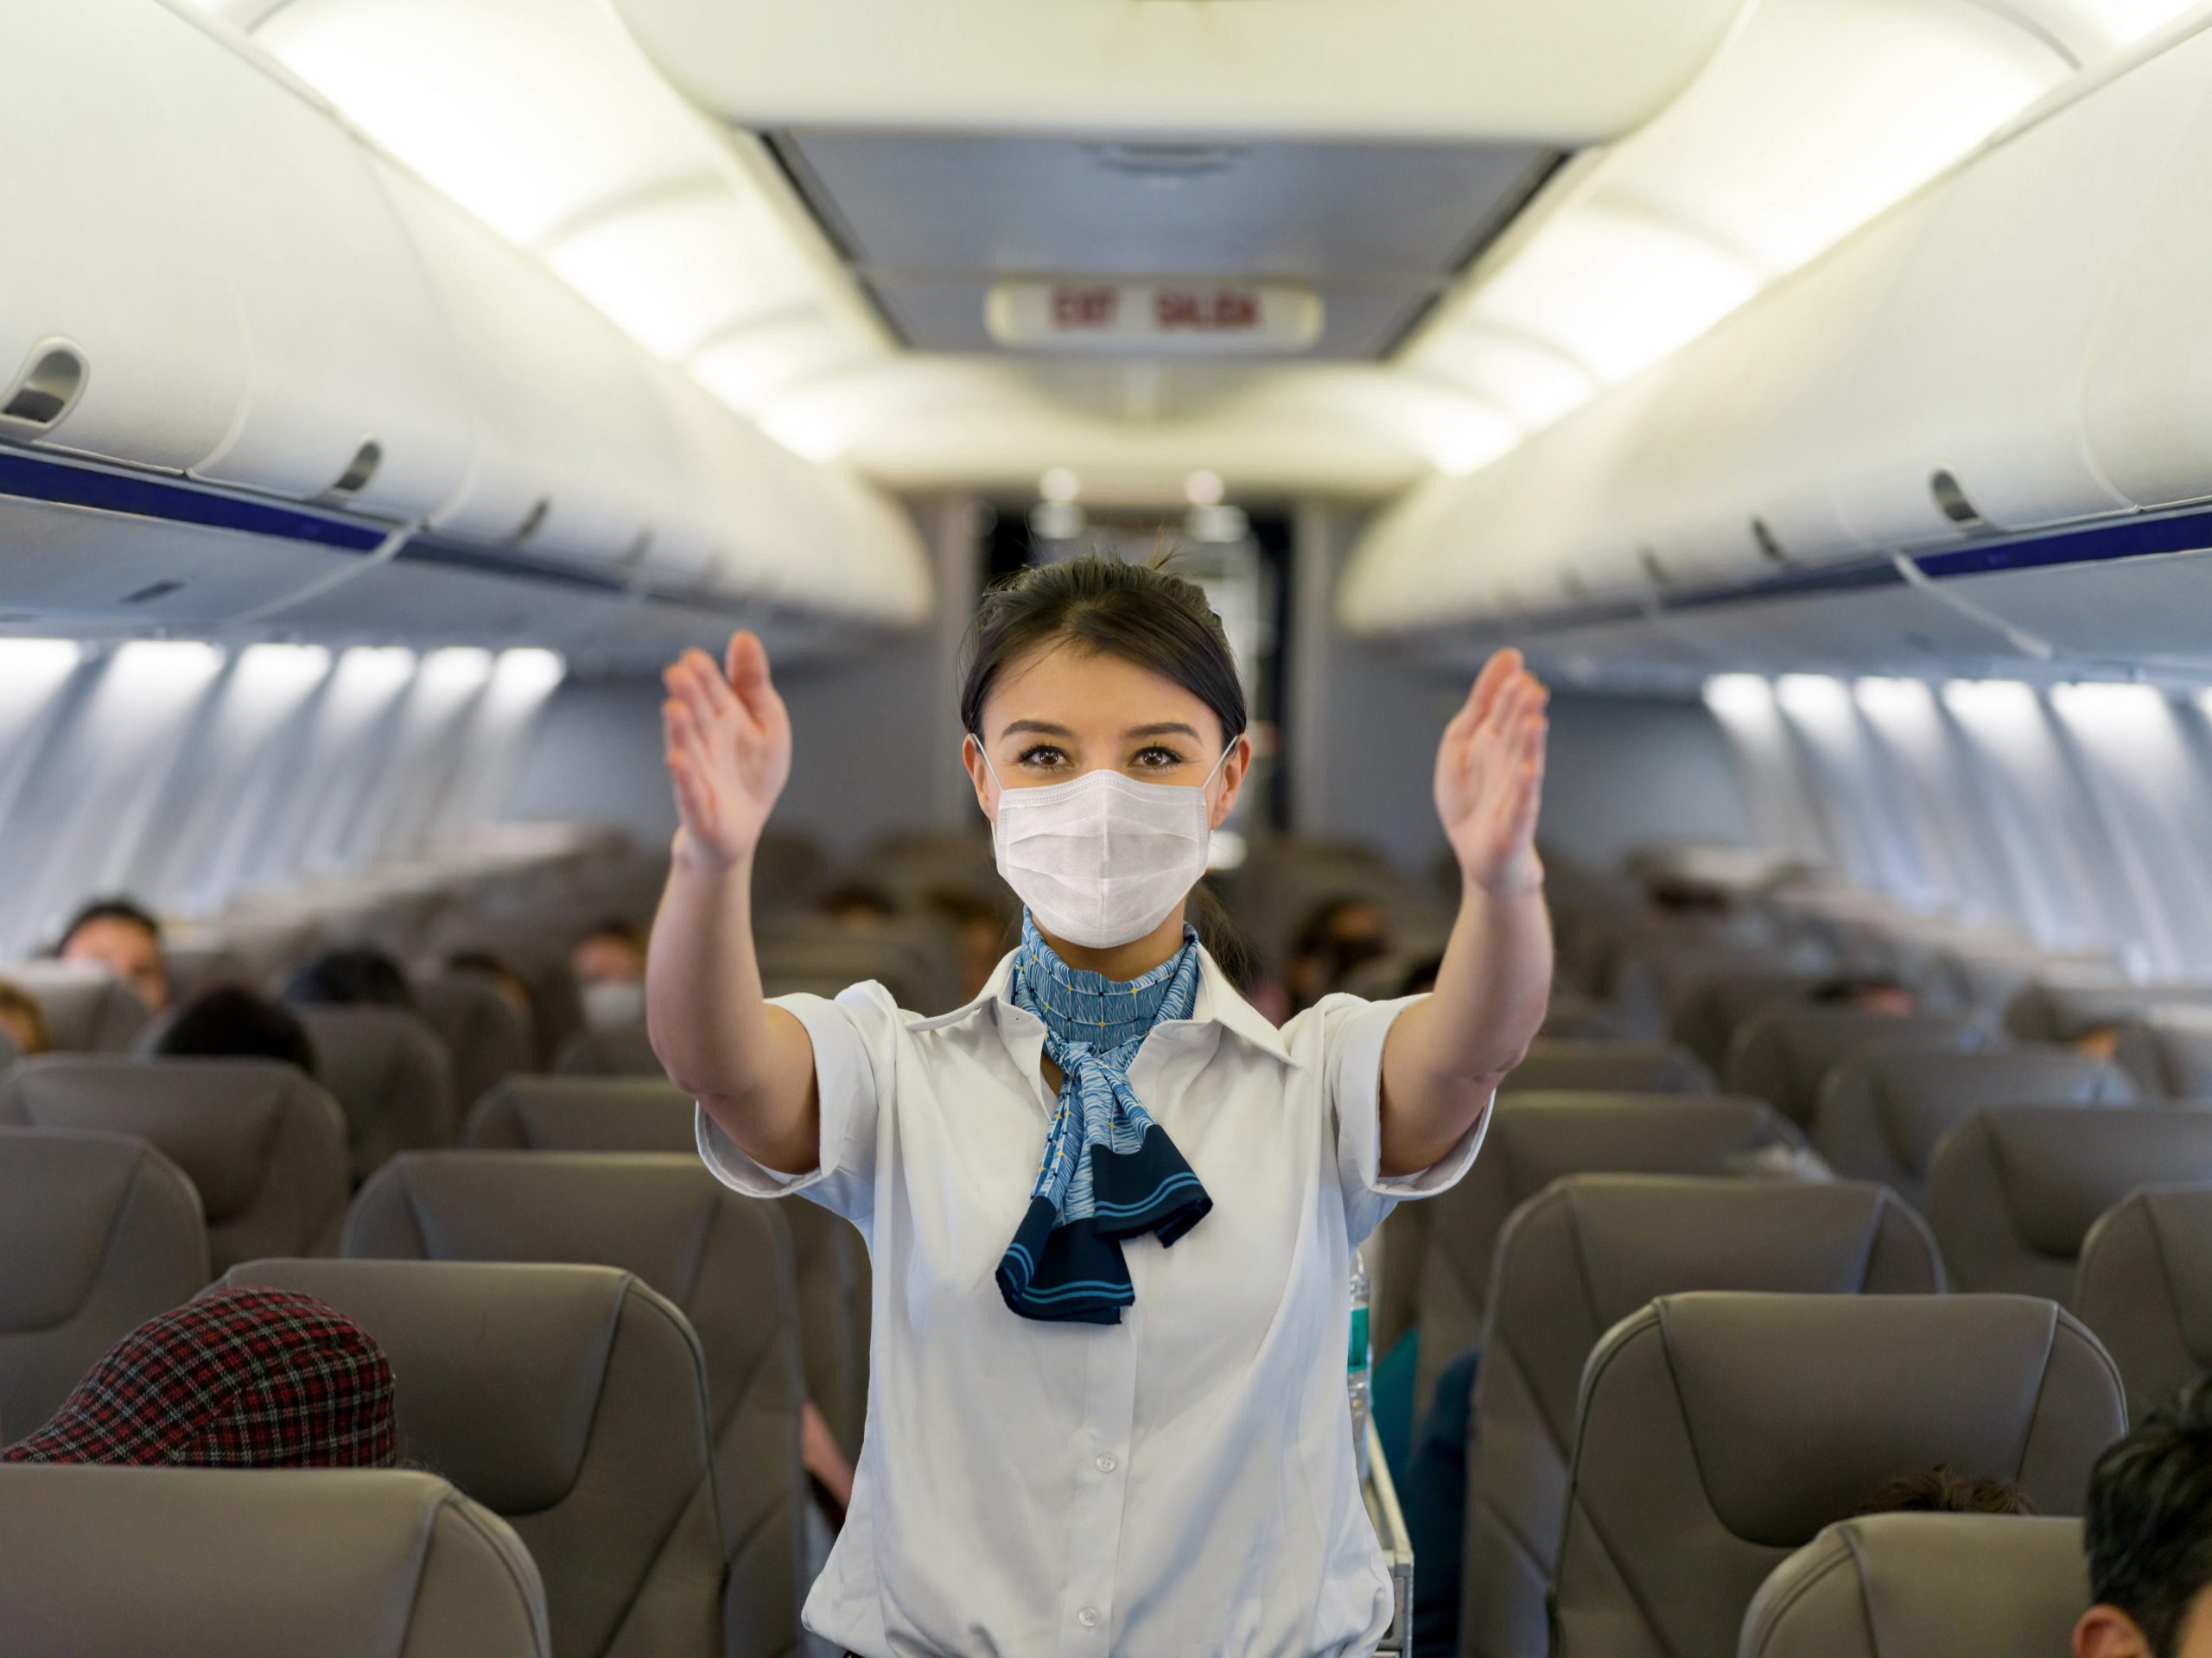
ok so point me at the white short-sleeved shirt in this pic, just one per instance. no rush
(1180, 1483)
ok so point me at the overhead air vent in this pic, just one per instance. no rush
(47, 387)
(360, 470)
(1951, 500)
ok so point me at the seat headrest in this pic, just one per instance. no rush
(626, 1051)
(1609, 1067)
(584, 1114)
(2060, 1010)
(1921, 1096)
(218, 1119)
(2059, 1168)
(1920, 1585)
(2169, 1051)
(259, 1563)
(1536, 1138)
(64, 1196)
(500, 1366)
(2145, 1287)
(1783, 1053)
(86, 1010)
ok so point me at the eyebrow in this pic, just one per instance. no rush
(1164, 728)
(1044, 726)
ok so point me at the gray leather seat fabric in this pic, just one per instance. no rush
(2015, 1191)
(486, 1037)
(1705, 1010)
(2168, 1052)
(2144, 1286)
(193, 968)
(1882, 1112)
(86, 1011)
(259, 1563)
(98, 1234)
(1719, 1433)
(389, 1072)
(570, 1401)
(624, 1051)
(725, 1261)
(1924, 1585)
(1608, 1068)
(265, 1146)
(1782, 1056)
(1535, 1139)
(2055, 1010)
(583, 1114)
(1576, 1261)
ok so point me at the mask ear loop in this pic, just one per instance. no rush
(1211, 776)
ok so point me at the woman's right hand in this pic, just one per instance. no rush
(730, 751)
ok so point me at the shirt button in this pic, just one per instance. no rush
(1105, 1461)
(1088, 1617)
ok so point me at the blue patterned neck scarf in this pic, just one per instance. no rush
(1110, 1172)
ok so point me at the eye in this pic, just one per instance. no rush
(1042, 756)
(1157, 757)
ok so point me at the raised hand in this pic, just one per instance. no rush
(1490, 778)
(729, 750)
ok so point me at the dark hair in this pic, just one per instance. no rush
(2148, 1528)
(127, 911)
(1851, 987)
(1139, 612)
(1943, 1490)
(356, 975)
(232, 1022)
(857, 895)
(615, 926)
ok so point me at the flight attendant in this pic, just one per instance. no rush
(1111, 1208)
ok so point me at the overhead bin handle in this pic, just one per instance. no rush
(532, 521)
(362, 469)
(1951, 500)
(52, 379)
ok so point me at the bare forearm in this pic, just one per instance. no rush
(1446, 1054)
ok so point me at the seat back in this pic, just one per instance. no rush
(1784, 1054)
(1706, 1008)
(1923, 1585)
(265, 1146)
(486, 1037)
(389, 1073)
(2015, 1191)
(98, 1234)
(1718, 1433)
(1608, 1068)
(1575, 1261)
(583, 1114)
(1883, 1112)
(622, 1050)
(2169, 1052)
(2144, 1286)
(259, 1563)
(87, 1011)
(2059, 1010)
(724, 1260)
(570, 1401)
(1535, 1139)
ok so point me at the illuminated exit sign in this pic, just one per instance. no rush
(1165, 318)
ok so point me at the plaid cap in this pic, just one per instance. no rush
(247, 1378)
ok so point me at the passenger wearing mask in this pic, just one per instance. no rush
(1108, 1126)
(22, 1022)
(2148, 1532)
(609, 963)
(1339, 936)
(245, 1378)
(123, 939)
(353, 975)
(228, 1021)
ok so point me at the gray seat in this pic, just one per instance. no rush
(1923, 1585)
(1608, 1068)
(193, 968)
(725, 1261)
(2144, 1286)
(98, 1234)
(259, 1563)
(1718, 1433)
(1882, 1112)
(624, 1051)
(2015, 1191)
(486, 1037)
(389, 1072)
(86, 1010)
(582, 1114)
(2060, 1010)
(265, 1146)
(2169, 1052)
(570, 1401)
(1535, 1139)
(1572, 1017)
(1705, 1009)
(1782, 1056)
(1573, 1262)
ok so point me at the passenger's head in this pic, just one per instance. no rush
(613, 952)
(1686, 896)
(228, 1021)
(2098, 1041)
(2148, 1532)
(860, 903)
(1091, 665)
(1873, 993)
(245, 1378)
(1334, 938)
(1943, 1490)
(122, 938)
(22, 1021)
(353, 975)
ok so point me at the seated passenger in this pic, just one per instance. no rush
(246, 1378)
(122, 938)
(510, 985)
(1942, 1490)
(1870, 993)
(2098, 1041)
(353, 975)
(22, 1021)
(609, 963)
(860, 904)
(228, 1021)
(1335, 938)
(2148, 1533)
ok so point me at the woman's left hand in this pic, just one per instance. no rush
(1490, 778)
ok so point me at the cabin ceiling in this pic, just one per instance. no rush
(819, 251)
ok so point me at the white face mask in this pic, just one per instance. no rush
(615, 1004)
(1105, 859)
